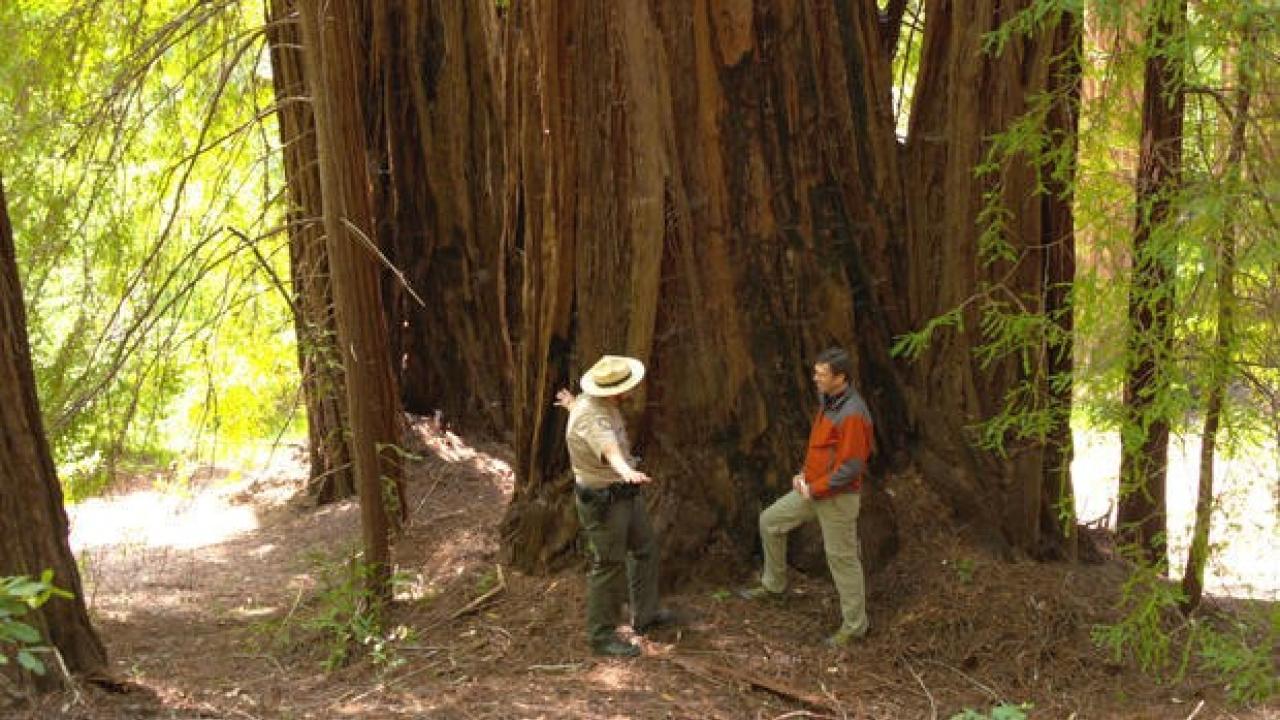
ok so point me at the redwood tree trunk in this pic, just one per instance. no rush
(1145, 437)
(436, 136)
(328, 35)
(33, 522)
(319, 360)
(716, 187)
(1220, 359)
(963, 96)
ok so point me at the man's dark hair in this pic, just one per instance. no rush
(839, 362)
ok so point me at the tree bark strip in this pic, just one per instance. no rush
(328, 34)
(437, 139)
(1144, 437)
(319, 360)
(33, 522)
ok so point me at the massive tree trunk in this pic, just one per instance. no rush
(33, 522)
(963, 96)
(319, 359)
(329, 47)
(716, 188)
(437, 138)
(1145, 437)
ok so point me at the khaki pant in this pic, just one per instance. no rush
(624, 563)
(838, 517)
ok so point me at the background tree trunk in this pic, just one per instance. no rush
(436, 135)
(33, 522)
(1220, 360)
(319, 360)
(716, 188)
(328, 29)
(1144, 440)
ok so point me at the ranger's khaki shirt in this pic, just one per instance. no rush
(593, 424)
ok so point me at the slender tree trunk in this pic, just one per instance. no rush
(436, 134)
(33, 522)
(328, 29)
(1145, 436)
(319, 360)
(1220, 360)
(1055, 530)
(716, 187)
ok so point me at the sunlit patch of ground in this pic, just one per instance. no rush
(158, 518)
(153, 547)
(198, 511)
(1245, 533)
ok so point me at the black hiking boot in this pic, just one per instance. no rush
(662, 618)
(615, 648)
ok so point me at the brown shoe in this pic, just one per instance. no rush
(844, 637)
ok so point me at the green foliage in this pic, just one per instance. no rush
(913, 344)
(1147, 605)
(964, 568)
(345, 616)
(1243, 659)
(487, 581)
(1003, 711)
(1036, 17)
(18, 596)
(134, 137)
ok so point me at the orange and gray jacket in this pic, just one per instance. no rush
(840, 444)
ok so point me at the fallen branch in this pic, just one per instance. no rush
(563, 667)
(835, 701)
(777, 687)
(478, 602)
(801, 714)
(995, 697)
(933, 707)
(443, 516)
(67, 678)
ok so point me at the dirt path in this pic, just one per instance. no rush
(204, 601)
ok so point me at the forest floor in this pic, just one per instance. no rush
(214, 603)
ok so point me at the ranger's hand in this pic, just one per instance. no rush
(565, 399)
(636, 477)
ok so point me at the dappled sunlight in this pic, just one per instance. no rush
(1245, 533)
(442, 564)
(453, 449)
(207, 509)
(612, 676)
(154, 518)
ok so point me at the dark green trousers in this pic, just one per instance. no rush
(624, 560)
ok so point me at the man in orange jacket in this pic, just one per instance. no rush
(828, 488)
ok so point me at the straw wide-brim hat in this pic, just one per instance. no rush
(612, 375)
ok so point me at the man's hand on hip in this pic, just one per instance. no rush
(799, 485)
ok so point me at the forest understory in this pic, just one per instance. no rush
(239, 624)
